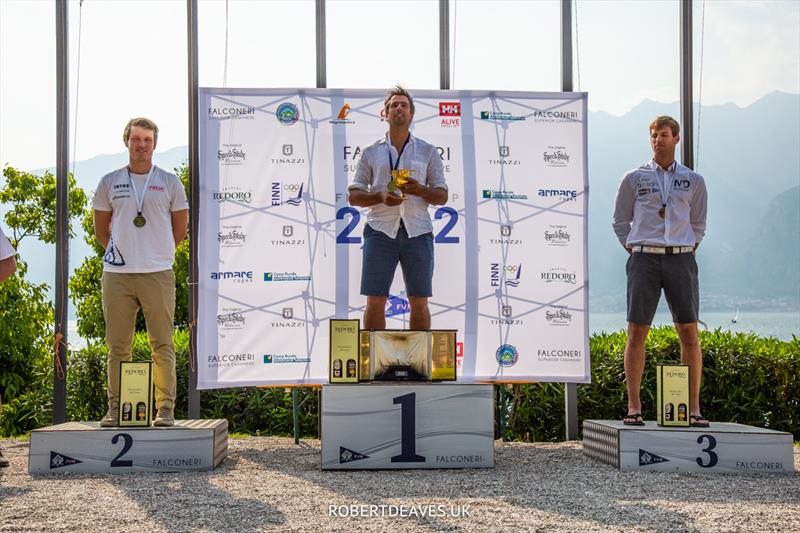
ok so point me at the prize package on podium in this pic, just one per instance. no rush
(672, 384)
(390, 355)
(135, 394)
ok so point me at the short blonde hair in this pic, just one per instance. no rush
(666, 120)
(141, 122)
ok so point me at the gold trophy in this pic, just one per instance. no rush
(399, 177)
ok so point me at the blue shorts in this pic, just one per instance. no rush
(380, 258)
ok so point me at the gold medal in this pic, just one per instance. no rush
(662, 212)
(139, 221)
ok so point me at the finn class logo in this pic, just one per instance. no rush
(287, 113)
(347, 456)
(507, 355)
(649, 458)
(57, 460)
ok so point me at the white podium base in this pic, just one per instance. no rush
(722, 447)
(413, 425)
(86, 447)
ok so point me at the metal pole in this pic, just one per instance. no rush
(687, 112)
(62, 213)
(322, 76)
(295, 416)
(194, 193)
(444, 44)
(570, 389)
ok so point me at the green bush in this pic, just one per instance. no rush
(746, 379)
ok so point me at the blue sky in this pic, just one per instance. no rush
(133, 56)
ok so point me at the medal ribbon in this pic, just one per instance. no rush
(140, 201)
(669, 179)
(392, 164)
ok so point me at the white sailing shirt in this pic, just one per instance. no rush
(150, 248)
(645, 190)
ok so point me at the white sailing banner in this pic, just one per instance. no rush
(280, 249)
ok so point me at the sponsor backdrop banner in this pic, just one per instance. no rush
(280, 248)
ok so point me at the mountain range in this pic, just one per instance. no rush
(750, 158)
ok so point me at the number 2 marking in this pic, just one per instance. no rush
(442, 237)
(125, 448)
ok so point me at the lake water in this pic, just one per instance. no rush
(780, 325)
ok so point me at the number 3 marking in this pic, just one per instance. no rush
(712, 456)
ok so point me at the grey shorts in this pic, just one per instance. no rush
(676, 274)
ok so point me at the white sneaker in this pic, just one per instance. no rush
(164, 417)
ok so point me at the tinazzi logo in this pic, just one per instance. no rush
(557, 157)
(231, 239)
(508, 275)
(555, 116)
(506, 355)
(504, 152)
(558, 317)
(450, 113)
(232, 154)
(242, 197)
(559, 275)
(506, 311)
(567, 195)
(238, 276)
(286, 193)
(506, 318)
(287, 113)
(287, 231)
(287, 313)
(341, 118)
(287, 150)
(557, 235)
(233, 112)
(505, 237)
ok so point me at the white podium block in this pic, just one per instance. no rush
(400, 426)
(86, 447)
(722, 447)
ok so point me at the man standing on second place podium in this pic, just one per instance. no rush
(140, 216)
(660, 219)
(399, 227)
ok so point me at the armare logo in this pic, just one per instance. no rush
(240, 276)
(508, 275)
(567, 195)
(286, 193)
(233, 112)
(287, 114)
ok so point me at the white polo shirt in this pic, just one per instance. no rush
(374, 173)
(150, 248)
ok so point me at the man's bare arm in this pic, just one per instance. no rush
(102, 227)
(180, 224)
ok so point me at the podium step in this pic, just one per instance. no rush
(722, 447)
(189, 445)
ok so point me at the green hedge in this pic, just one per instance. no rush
(746, 379)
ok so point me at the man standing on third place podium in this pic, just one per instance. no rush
(140, 216)
(399, 227)
(660, 219)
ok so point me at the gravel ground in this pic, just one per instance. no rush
(269, 483)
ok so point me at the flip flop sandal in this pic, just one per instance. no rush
(698, 421)
(633, 419)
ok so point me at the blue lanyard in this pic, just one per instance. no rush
(392, 164)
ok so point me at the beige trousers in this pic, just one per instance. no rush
(123, 296)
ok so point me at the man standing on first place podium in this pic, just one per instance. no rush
(140, 215)
(399, 227)
(660, 219)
